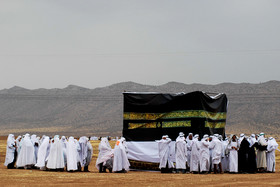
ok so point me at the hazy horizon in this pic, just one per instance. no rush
(136, 83)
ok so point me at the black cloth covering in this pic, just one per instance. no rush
(148, 116)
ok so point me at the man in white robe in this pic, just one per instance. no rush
(261, 153)
(105, 156)
(26, 157)
(189, 149)
(204, 155)
(89, 156)
(165, 164)
(270, 155)
(181, 153)
(195, 148)
(18, 144)
(55, 158)
(233, 147)
(43, 153)
(211, 166)
(217, 148)
(120, 163)
(35, 142)
(85, 154)
(10, 152)
(64, 145)
(71, 154)
(78, 147)
(252, 139)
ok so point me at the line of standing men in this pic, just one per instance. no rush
(244, 155)
(48, 153)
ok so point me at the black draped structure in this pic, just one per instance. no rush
(148, 116)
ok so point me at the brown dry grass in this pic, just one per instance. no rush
(23, 177)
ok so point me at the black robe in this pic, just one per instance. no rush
(252, 159)
(243, 152)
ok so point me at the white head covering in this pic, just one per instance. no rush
(272, 142)
(56, 136)
(188, 137)
(120, 161)
(11, 138)
(34, 139)
(18, 143)
(10, 150)
(205, 136)
(26, 155)
(216, 135)
(83, 153)
(56, 158)
(252, 140)
(105, 152)
(180, 137)
(43, 152)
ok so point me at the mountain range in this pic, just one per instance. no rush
(76, 110)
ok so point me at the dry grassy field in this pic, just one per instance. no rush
(21, 177)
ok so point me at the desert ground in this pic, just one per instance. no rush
(21, 177)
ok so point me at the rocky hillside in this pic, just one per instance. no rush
(79, 111)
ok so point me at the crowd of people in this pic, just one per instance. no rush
(59, 154)
(213, 154)
(48, 153)
(210, 154)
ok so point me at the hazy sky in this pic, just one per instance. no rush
(95, 43)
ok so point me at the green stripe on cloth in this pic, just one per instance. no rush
(215, 125)
(165, 124)
(175, 115)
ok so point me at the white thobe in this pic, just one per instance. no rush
(204, 156)
(83, 153)
(43, 152)
(233, 157)
(35, 142)
(10, 150)
(217, 147)
(270, 155)
(194, 162)
(105, 152)
(64, 142)
(89, 153)
(261, 155)
(189, 151)
(55, 158)
(71, 154)
(26, 155)
(181, 153)
(164, 151)
(120, 157)
(225, 157)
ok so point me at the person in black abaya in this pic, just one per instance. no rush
(252, 163)
(243, 166)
